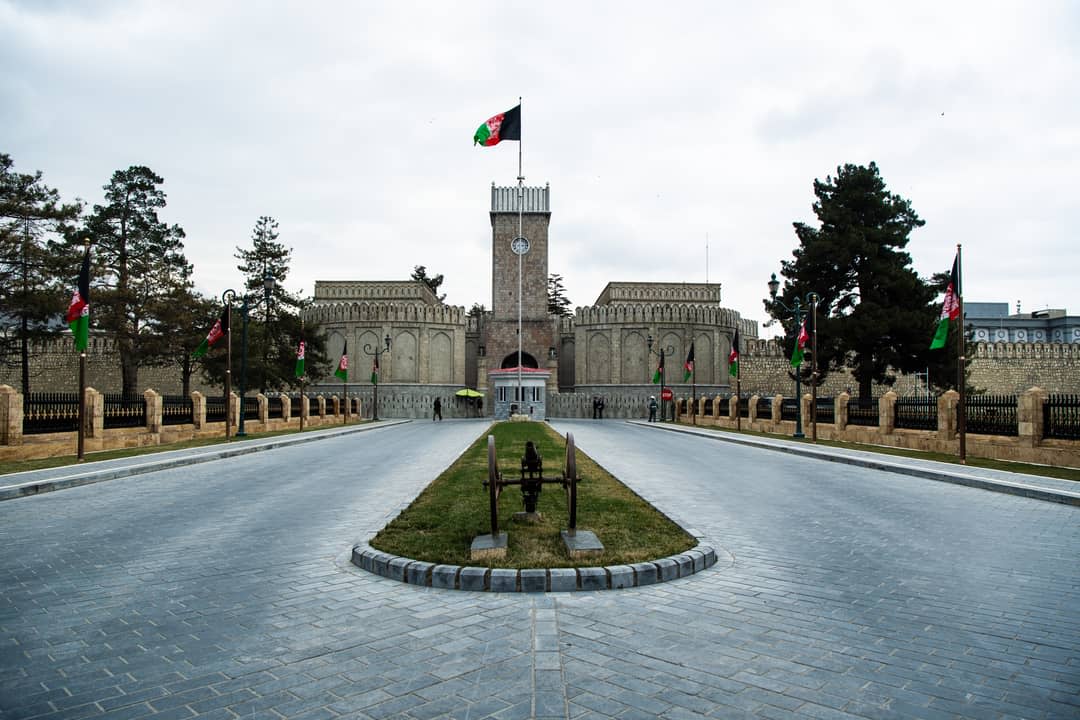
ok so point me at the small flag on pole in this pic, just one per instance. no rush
(375, 371)
(343, 364)
(504, 126)
(221, 327)
(733, 356)
(659, 369)
(800, 345)
(300, 360)
(688, 366)
(950, 309)
(78, 312)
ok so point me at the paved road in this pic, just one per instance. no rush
(222, 590)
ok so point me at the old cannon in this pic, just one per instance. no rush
(531, 481)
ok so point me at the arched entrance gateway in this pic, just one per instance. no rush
(511, 361)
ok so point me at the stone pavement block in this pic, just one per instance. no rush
(593, 578)
(473, 578)
(667, 569)
(503, 580)
(445, 576)
(685, 563)
(419, 573)
(622, 576)
(698, 558)
(396, 568)
(533, 580)
(646, 574)
(379, 563)
(563, 579)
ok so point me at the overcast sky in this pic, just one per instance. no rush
(661, 127)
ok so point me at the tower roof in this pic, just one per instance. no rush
(536, 199)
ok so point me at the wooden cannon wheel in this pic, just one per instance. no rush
(494, 483)
(570, 481)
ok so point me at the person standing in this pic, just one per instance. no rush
(438, 411)
(600, 406)
(652, 408)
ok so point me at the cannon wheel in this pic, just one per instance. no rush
(570, 478)
(493, 486)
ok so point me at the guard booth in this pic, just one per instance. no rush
(507, 398)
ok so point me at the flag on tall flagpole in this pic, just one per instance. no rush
(800, 345)
(733, 356)
(950, 309)
(375, 370)
(220, 329)
(343, 364)
(300, 360)
(504, 126)
(688, 366)
(78, 312)
(659, 369)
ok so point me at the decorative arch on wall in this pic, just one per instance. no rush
(703, 359)
(635, 366)
(598, 359)
(403, 352)
(440, 358)
(511, 361)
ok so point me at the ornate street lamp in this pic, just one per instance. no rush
(245, 310)
(796, 310)
(663, 372)
(375, 354)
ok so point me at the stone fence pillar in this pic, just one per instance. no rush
(841, 410)
(752, 414)
(232, 414)
(264, 408)
(11, 416)
(286, 406)
(1029, 416)
(776, 410)
(305, 410)
(806, 410)
(733, 408)
(887, 413)
(198, 409)
(322, 406)
(946, 414)
(154, 409)
(335, 403)
(95, 413)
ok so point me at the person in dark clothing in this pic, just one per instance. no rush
(438, 411)
(595, 407)
(600, 406)
(652, 408)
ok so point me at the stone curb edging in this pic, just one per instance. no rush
(1002, 486)
(482, 579)
(11, 492)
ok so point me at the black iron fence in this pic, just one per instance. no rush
(789, 409)
(991, 415)
(723, 407)
(177, 410)
(276, 407)
(744, 407)
(826, 410)
(707, 407)
(50, 412)
(250, 407)
(1061, 417)
(294, 406)
(916, 413)
(863, 411)
(215, 409)
(764, 408)
(123, 411)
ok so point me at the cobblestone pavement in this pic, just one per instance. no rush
(223, 590)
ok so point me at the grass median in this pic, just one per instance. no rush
(440, 524)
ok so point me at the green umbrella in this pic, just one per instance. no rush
(469, 392)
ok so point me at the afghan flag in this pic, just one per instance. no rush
(221, 327)
(375, 371)
(343, 364)
(78, 312)
(733, 356)
(688, 366)
(950, 309)
(800, 345)
(300, 360)
(659, 369)
(504, 126)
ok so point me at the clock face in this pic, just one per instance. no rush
(519, 245)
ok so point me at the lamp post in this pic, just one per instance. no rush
(663, 371)
(375, 354)
(245, 310)
(796, 309)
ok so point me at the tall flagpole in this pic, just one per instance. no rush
(961, 415)
(738, 379)
(521, 211)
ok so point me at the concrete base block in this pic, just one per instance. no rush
(473, 578)
(698, 558)
(646, 573)
(563, 579)
(533, 580)
(486, 547)
(444, 576)
(667, 568)
(685, 563)
(593, 578)
(419, 573)
(582, 543)
(622, 576)
(503, 580)
(395, 569)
